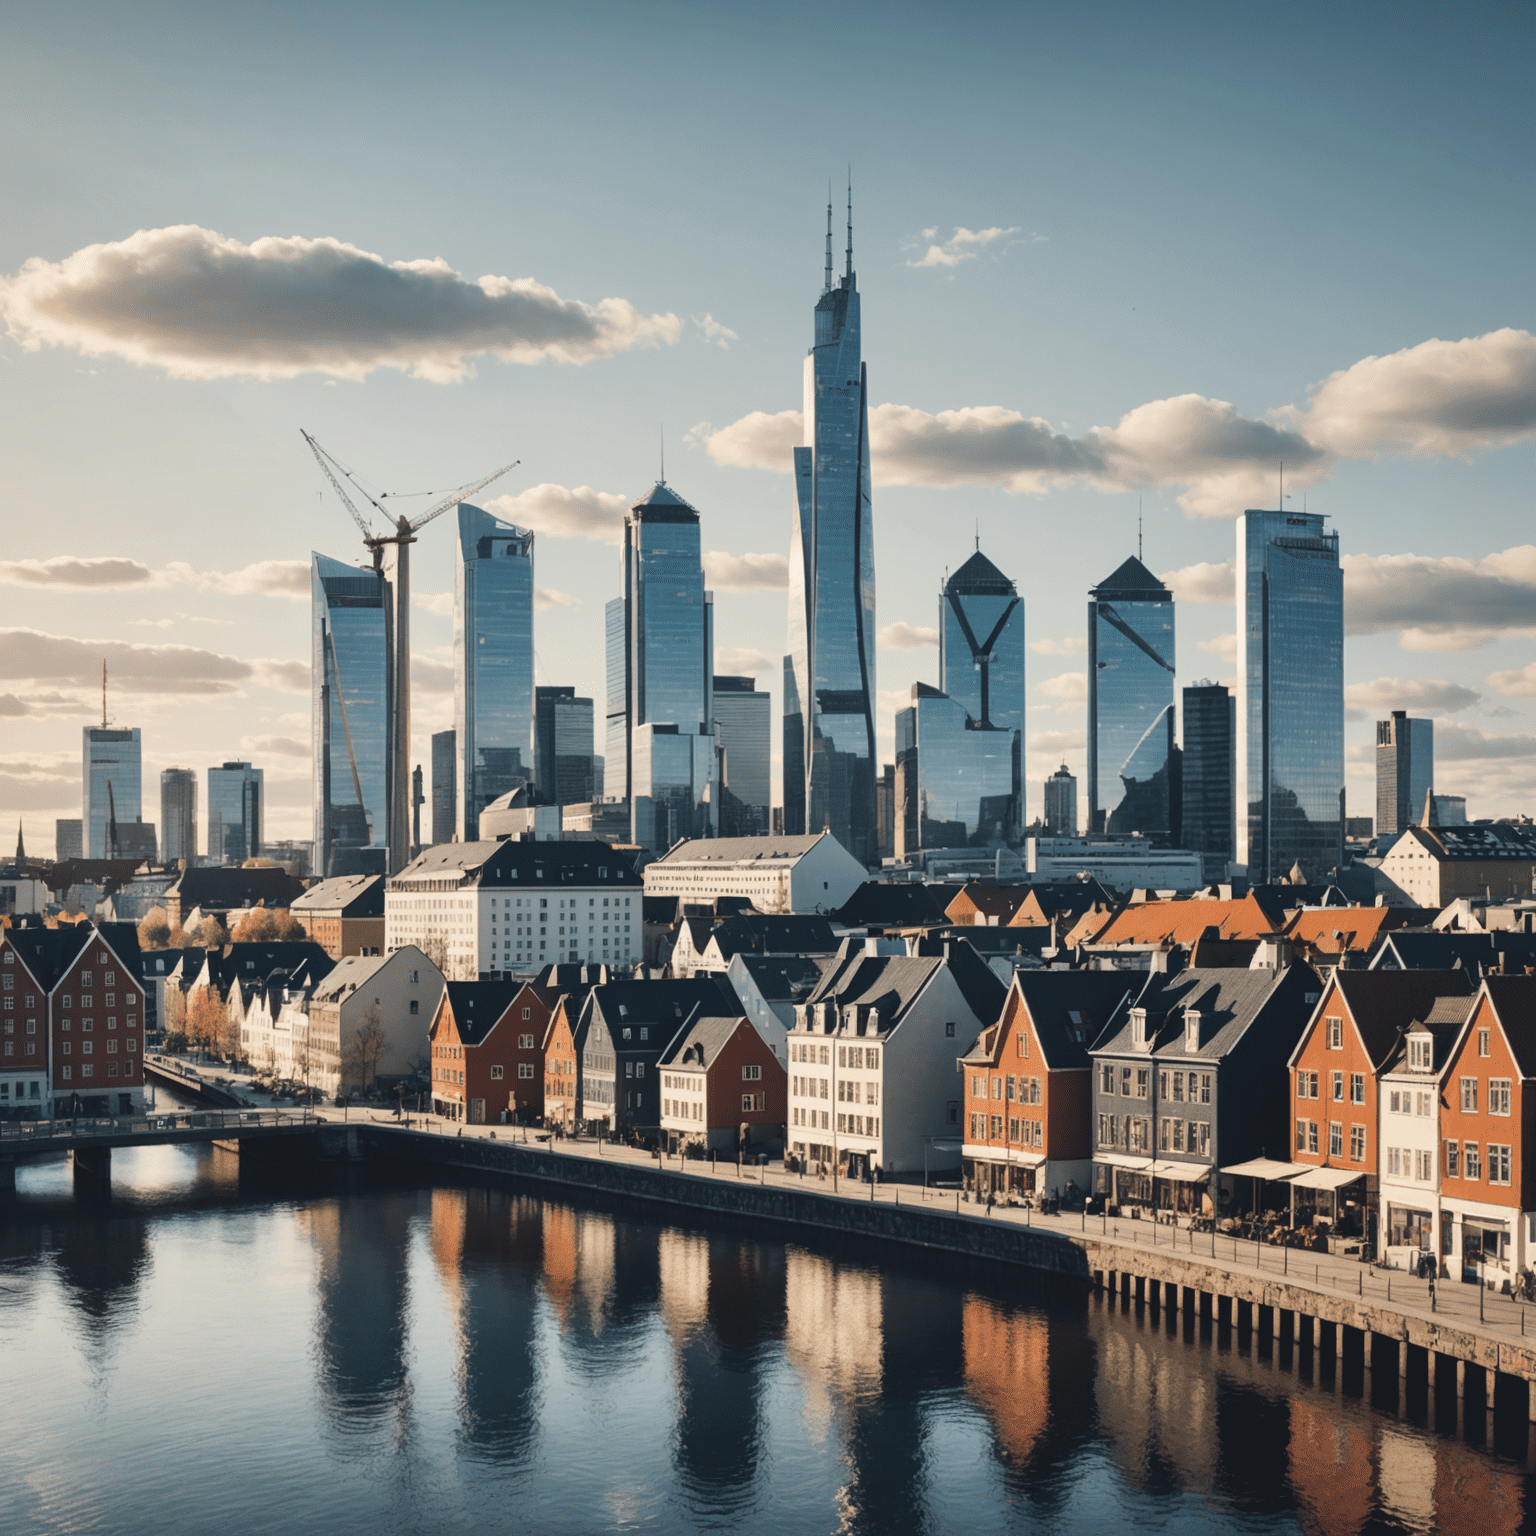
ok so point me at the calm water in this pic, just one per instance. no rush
(206, 1352)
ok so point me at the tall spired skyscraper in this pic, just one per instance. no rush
(829, 675)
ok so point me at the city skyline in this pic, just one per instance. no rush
(1036, 372)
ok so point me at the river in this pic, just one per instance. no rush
(207, 1349)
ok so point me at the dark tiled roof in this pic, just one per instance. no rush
(707, 1036)
(1383, 1002)
(786, 978)
(1423, 949)
(764, 933)
(1514, 1000)
(245, 960)
(1230, 1001)
(891, 982)
(663, 1002)
(49, 952)
(479, 1005)
(1482, 840)
(1052, 998)
(224, 888)
(880, 904)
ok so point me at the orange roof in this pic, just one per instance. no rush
(1182, 922)
(999, 901)
(1339, 930)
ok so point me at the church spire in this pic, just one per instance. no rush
(21, 847)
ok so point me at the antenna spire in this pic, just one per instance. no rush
(1138, 527)
(663, 436)
(103, 693)
(850, 223)
(828, 286)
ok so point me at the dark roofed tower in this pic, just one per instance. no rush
(1131, 765)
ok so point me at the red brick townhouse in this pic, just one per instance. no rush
(487, 1052)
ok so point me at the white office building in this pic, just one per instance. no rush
(777, 874)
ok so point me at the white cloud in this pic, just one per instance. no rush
(756, 441)
(902, 636)
(201, 305)
(746, 573)
(742, 661)
(1069, 688)
(428, 676)
(274, 746)
(1519, 683)
(1455, 743)
(266, 578)
(440, 603)
(1055, 744)
(1222, 647)
(1202, 583)
(549, 597)
(963, 245)
(1444, 602)
(141, 669)
(282, 578)
(562, 513)
(1073, 645)
(1416, 693)
(716, 334)
(76, 571)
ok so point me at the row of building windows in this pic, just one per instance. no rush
(1132, 1132)
(1021, 1132)
(1015, 1090)
(816, 1119)
(87, 1070)
(1309, 1083)
(1307, 1139)
(1185, 1135)
(1463, 1161)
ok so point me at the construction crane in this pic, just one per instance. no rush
(391, 558)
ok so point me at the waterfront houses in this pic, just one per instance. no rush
(562, 1065)
(483, 1052)
(1027, 1083)
(872, 1078)
(1193, 1081)
(722, 1089)
(770, 986)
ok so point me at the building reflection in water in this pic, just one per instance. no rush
(101, 1263)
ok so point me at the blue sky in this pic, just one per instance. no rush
(1228, 204)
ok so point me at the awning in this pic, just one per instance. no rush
(1120, 1160)
(1180, 1173)
(1267, 1168)
(1328, 1178)
(981, 1153)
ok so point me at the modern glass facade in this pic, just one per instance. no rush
(1290, 695)
(1131, 764)
(1207, 822)
(115, 757)
(445, 798)
(178, 814)
(234, 813)
(954, 782)
(660, 673)
(562, 746)
(493, 715)
(832, 586)
(743, 728)
(350, 693)
(1061, 803)
(1405, 771)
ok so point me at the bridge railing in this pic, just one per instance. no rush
(83, 1127)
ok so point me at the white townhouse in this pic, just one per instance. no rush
(812, 873)
(514, 907)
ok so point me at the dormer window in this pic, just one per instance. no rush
(1192, 1020)
(1420, 1053)
(1141, 1039)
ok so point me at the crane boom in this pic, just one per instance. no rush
(458, 496)
(321, 458)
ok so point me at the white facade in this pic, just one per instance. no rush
(777, 874)
(1126, 865)
(1408, 1153)
(684, 1102)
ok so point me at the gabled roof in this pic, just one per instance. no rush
(1382, 1002)
(892, 982)
(350, 973)
(664, 1003)
(1444, 1022)
(1476, 840)
(352, 895)
(999, 901)
(1514, 1001)
(785, 978)
(880, 904)
(478, 1006)
(1339, 930)
(49, 952)
(222, 888)
(1181, 922)
(1067, 899)
(701, 1042)
(1060, 1005)
(1129, 577)
(1229, 1000)
(236, 960)
(764, 933)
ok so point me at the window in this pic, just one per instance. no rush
(1106, 1079)
(1471, 1162)
(949, 1031)
(1335, 1138)
(1357, 1087)
(1498, 1164)
(1338, 1087)
(1394, 1161)
(754, 1102)
(1453, 1159)
(1498, 1095)
(1335, 1030)
(1357, 1143)
(525, 1070)
(1023, 1044)
(1469, 1097)
(1143, 1082)
(751, 1074)
(415, 1007)
(1306, 1085)
(496, 1074)
(997, 1087)
(978, 1087)
(1482, 1041)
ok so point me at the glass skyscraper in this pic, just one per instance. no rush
(234, 813)
(493, 712)
(444, 777)
(115, 757)
(660, 749)
(562, 746)
(1405, 771)
(178, 814)
(1207, 825)
(1290, 695)
(829, 719)
(1061, 803)
(351, 682)
(1131, 763)
(744, 729)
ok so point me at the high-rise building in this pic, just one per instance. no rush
(563, 746)
(445, 799)
(352, 683)
(1131, 762)
(68, 841)
(1061, 803)
(178, 814)
(1290, 696)
(1208, 823)
(829, 692)
(1405, 771)
(885, 811)
(110, 756)
(492, 662)
(660, 718)
(744, 729)
(234, 813)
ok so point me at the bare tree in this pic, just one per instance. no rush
(268, 925)
(210, 932)
(154, 929)
(207, 1021)
(436, 950)
(363, 1052)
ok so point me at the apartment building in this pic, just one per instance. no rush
(722, 1089)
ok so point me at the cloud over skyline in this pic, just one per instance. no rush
(203, 306)
(963, 245)
(31, 654)
(902, 636)
(562, 513)
(746, 573)
(281, 578)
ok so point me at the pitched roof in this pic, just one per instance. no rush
(879, 903)
(1383, 1002)
(663, 1002)
(891, 982)
(705, 1038)
(762, 933)
(1181, 922)
(513, 861)
(49, 952)
(1061, 1005)
(733, 850)
(356, 895)
(661, 496)
(1337, 930)
(479, 1005)
(1229, 1000)
(221, 888)
(1514, 1001)
(978, 574)
(1479, 840)
(785, 978)
(351, 972)
(1060, 899)
(1129, 576)
(237, 960)
(999, 901)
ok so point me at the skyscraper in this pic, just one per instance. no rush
(1061, 803)
(1131, 764)
(492, 662)
(562, 746)
(829, 693)
(110, 756)
(744, 729)
(352, 684)
(178, 814)
(1208, 820)
(1290, 695)
(67, 841)
(1405, 771)
(234, 813)
(444, 797)
(660, 718)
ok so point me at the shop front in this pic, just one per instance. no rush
(1124, 1182)
(1485, 1255)
(1182, 1188)
(1333, 1199)
(1002, 1172)
(1410, 1237)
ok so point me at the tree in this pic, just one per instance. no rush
(154, 929)
(362, 1053)
(209, 932)
(175, 1011)
(269, 925)
(207, 1021)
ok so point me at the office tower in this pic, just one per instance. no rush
(492, 663)
(178, 814)
(68, 842)
(1405, 771)
(445, 798)
(885, 811)
(1131, 764)
(599, 776)
(234, 813)
(1290, 696)
(1208, 824)
(660, 723)
(110, 756)
(418, 799)
(744, 729)
(352, 683)
(1061, 803)
(562, 746)
(829, 718)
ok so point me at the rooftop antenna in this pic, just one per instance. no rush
(828, 287)
(103, 693)
(663, 435)
(1138, 528)
(850, 221)
(978, 534)
(1282, 485)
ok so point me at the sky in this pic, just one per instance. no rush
(1115, 259)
